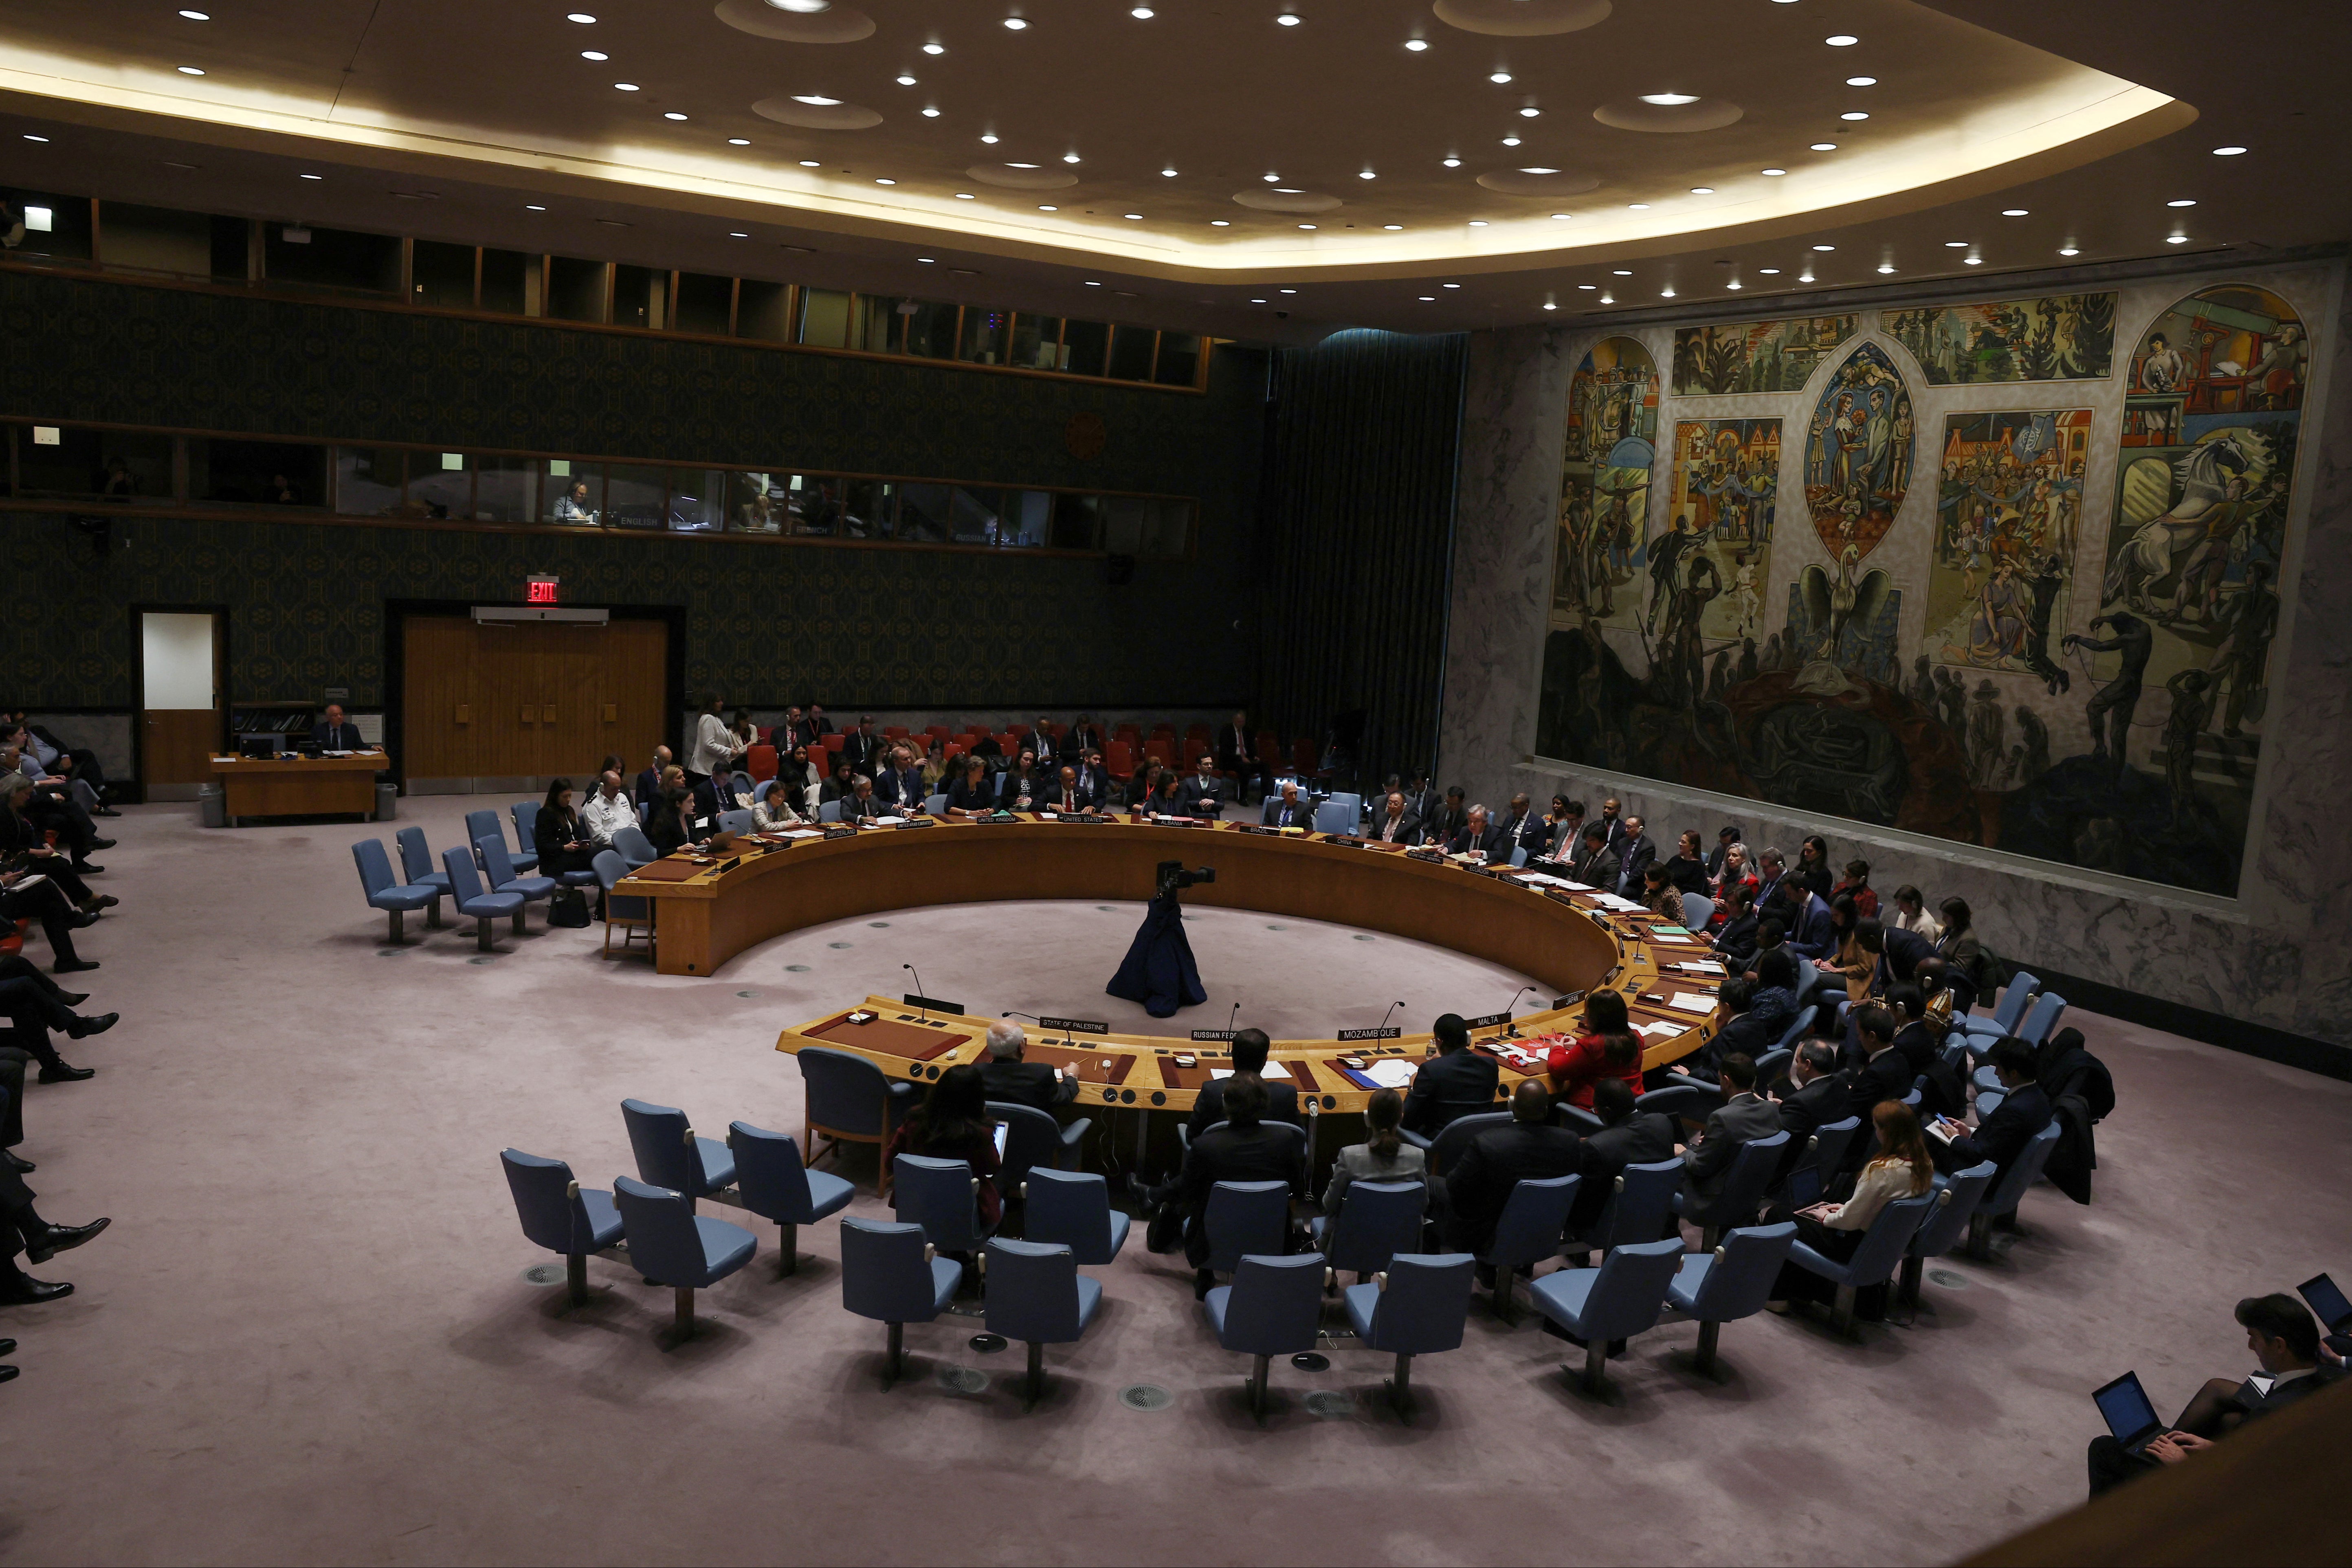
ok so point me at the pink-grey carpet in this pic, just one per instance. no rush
(307, 1337)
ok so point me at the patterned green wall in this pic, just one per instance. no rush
(850, 626)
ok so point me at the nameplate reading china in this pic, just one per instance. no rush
(1073, 1026)
(1390, 1032)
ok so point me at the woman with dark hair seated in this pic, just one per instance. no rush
(953, 1124)
(1167, 795)
(564, 846)
(672, 826)
(973, 793)
(1607, 1049)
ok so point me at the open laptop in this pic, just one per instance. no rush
(2327, 1302)
(2125, 1405)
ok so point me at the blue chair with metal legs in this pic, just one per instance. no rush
(670, 1155)
(943, 1197)
(1792, 1035)
(397, 899)
(1036, 1295)
(1416, 1306)
(1875, 1260)
(416, 867)
(526, 826)
(1073, 1208)
(889, 1273)
(1331, 817)
(1247, 1217)
(2015, 998)
(484, 824)
(1964, 1191)
(1741, 1194)
(829, 813)
(1033, 1138)
(1378, 1220)
(846, 1099)
(671, 1245)
(771, 1183)
(1534, 1221)
(1824, 1151)
(1641, 1199)
(559, 1214)
(1730, 1282)
(1273, 1307)
(735, 821)
(634, 848)
(627, 912)
(501, 872)
(2009, 1190)
(466, 891)
(1687, 1100)
(1455, 1136)
(1617, 1300)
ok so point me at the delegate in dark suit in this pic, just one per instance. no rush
(1643, 1138)
(1886, 1076)
(1209, 1106)
(1634, 854)
(1205, 798)
(861, 751)
(1261, 1152)
(1900, 954)
(1480, 1183)
(2002, 1136)
(1457, 1084)
(344, 736)
(1492, 840)
(1279, 813)
(1597, 869)
(1404, 829)
(901, 791)
(645, 791)
(1706, 1164)
(1025, 1083)
(1812, 935)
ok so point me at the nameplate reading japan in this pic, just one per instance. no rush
(932, 1004)
(1391, 1032)
(1073, 1026)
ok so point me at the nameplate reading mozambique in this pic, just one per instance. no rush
(933, 1004)
(1215, 1033)
(1390, 1032)
(831, 833)
(1490, 1020)
(1073, 1026)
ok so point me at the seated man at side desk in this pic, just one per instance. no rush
(1457, 1081)
(1289, 812)
(1243, 1149)
(1004, 1076)
(608, 810)
(1480, 838)
(1249, 1048)
(333, 732)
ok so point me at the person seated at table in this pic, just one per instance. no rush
(25, 847)
(1479, 838)
(900, 786)
(1687, 868)
(54, 810)
(864, 804)
(646, 790)
(1733, 929)
(1607, 1049)
(1244, 1149)
(335, 732)
(1167, 796)
(31, 895)
(562, 840)
(1628, 1136)
(1006, 1077)
(839, 787)
(1595, 864)
(934, 767)
(1736, 870)
(1896, 953)
(672, 826)
(1067, 797)
(951, 1123)
(800, 773)
(608, 810)
(1020, 787)
(77, 765)
(1659, 895)
(973, 794)
(1205, 792)
(1810, 1097)
(1855, 884)
(1393, 821)
(1288, 810)
(1479, 1184)
(1747, 1027)
(1457, 1082)
(2023, 1112)
(1911, 915)
(773, 808)
(1561, 828)
(1249, 1049)
(1901, 1168)
(1383, 1155)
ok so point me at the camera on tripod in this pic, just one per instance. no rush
(1174, 878)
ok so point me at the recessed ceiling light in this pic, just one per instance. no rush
(1538, 169)
(1529, 112)
(906, 80)
(1588, 286)
(1862, 81)
(989, 139)
(1774, 173)
(1016, 24)
(1637, 207)
(1429, 299)
(595, 54)
(1220, 223)
(1841, 40)
(2176, 239)
(1306, 226)
(672, 114)
(816, 100)
(930, 114)
(1136, 217)
(1022, 166)
(1392, 227)
(1702, 190)
(1562, 217)
(1069, 157)
(1550, 306)
(1769, 271)
(1622, 272)
(1368, 174)
(608, 223)
(579, 16)
(1257, 301)
(1669, 100)
(1824, 147)
(1665, 294)
(965, 196)
(1733, 284)
(189, 71)
(1452, 286)
(737, 233)
(1287, 191)
(739, 142)
(1477, 223)
(1510, 141)
(810, 163)
(309, 176)
(1286, 291)
(1825, 248)
(935, 48)
(1273, 179)
(1141, 13)
(197, 15)
(2069, 250)
(1854, 114)
(1288, 18)
(882, 181)
(30, 136)
(927, 260)
(1453, 162)
(1886, 266)
(532, 207)
(632, 87)
(1416, 44)
(2183, 202)
(1167, 174)
(1498, 77)
(2227, 152)
(1046, 209)
(1956, 245)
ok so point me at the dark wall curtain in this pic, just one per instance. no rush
(1355, 540)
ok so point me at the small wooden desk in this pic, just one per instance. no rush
(300, 786)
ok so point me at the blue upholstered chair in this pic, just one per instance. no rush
(1874, 1261)
(416, 867)
(2009, 1191)
(1331, 817)
(1617, 1300)
(559, 1214)
(943, 1197)
(1964, 1192)
(845, 1098)
(772, 1183)
(1415, 1307)
(829, 813)
(1518, 856)
(396, 899)
(1772, 1064)
(1686, 1101)
(735, 821)
(628, 912)
(1637, 1210)
(1534, 1220)
(1036, 1295)
(1273, 1307)
(1732, 1281)
(933, 805)
(1247, 1217)
(1290, 1130)
(670, 1155)
(671, 1245)
(1824, 1151)
(1792, 1034)
(484, 824)
(1697, 910)
(2042, 1018)
(500, 871)
(1378, 1220)
(526, 824)
(1073, 1208)
(634, 846)
(1033, 1138)
(889, 1273)
(2015, 998)
(466, 891)
(1741, 1193)
(1455, 1136)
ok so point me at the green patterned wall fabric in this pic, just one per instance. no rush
(876, 625)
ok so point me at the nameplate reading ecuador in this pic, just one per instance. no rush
(1215, 1033)
(1073, 1026)
(1390, 1032)
(1490, 1020)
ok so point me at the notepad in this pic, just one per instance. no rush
(801, 833)
(1272, 1070)
(1692, 1002)
(1699, 966)
(886, 821)
(1391, 1072)
(1611, 900)
(1660, 1025)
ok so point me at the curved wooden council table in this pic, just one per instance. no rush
(1561, 937)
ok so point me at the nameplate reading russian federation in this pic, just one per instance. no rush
(1073, 1026)
(1215, 1033)
(1390, 1032)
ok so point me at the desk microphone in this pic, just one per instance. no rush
(919, 992)
(1390, 1013)
(1511, 1028)
(1231, 1016)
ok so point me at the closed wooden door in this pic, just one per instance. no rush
(530, 701)
(441, 708)
(180, 700)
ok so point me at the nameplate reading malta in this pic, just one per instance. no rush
(1491, 1020)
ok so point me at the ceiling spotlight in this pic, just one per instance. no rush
(1257, 301)
(1141, 13)
(1498, 77)
(595, 54)
(1510, 141)
(1135, 217)
(30, 136)
(1167, 174)
(2227, 152)
(1453, 162)
(189, 71)
(1220, 223)
(927, 260)
(989, 139)
(1841, 40)
(2184, 202)
(882, 181)
(1392, 226)
(1733, 284)
(1477, 223)
(935, 48)
(815, 99)
(906, 80)
(532, 207)
(1069, 157)
(1665, 294)
(1862, 81)
(309, 176)
(579, 16)
(1046, 209)
(1416, 44)
(197, 15)
(1775, 173)
(1021, 165)
(1451, 286)
(1306, 226)
(2069, 250)
(2015, 211)
(965, 196)
(1769, 271)
(1824, 147)
(1637, 207)
(1973, 261)
(1956, 245)
(1886, 266)
(1702, 190)
(739, 142)
(930, 114)
(1286, 291)
(1289, 19)
(632, 87)
(1825, 248)
(2176, 239)
(1588, 287)
(1550, 306)
(1854, 114)
(1273, 179)
(1622, 272)
(737, 233)
(1529, 112)
(1368, 174)
(1669, 100)
(1562, 217)
(1429, 299)
(1016, 24)
(810, 163)
(672, 114)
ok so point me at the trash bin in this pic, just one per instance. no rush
(387, 800)
(213, 804)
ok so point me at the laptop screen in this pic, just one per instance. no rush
(2326, 1300)
(1003, 1132)
(2125, 1405)
(1804, 1187)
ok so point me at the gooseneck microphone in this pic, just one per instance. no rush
(1390, 1013)
(1511, 1027)
(1231, 1016)
(919, 992)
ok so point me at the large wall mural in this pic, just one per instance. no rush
(1606, 455)
(1976, 640)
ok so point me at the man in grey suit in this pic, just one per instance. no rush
(1743, 1118)
(1634, 854)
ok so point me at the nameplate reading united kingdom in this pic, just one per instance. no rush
(1390, 1032)
(1073, 1026)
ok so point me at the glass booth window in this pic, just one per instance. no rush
(441, 483)
(972, 516)
(504, 489)
(983, 343)
(930, 329)
(1036, 342)
(257, 473)
(1078, 522)
(368, 480)
(924, 512)
(1179, 360)
(815, 505)
(636, 496)
(1167, 530)
(1131, 354)
(825, 319)
(756, 502)
(873, 323)
(869, 508)
(698, 500)
(115, 465)
(572, 493)
(1084, 344)
(1028, 518)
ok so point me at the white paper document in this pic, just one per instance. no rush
(804, 832)
(1392, 1072)
(1659, 1027)
(1611, 900)
(1692, 1002)
(1272, 1070)
(1702, 966)
(887, 822)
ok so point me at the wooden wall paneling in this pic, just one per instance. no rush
(508, 671)
(441, 710)
(635, 677)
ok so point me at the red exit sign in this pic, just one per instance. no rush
(539, 591)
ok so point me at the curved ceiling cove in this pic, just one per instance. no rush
(1706, 114)
(826, 23)
(1539, 182)
(1281, 200)
(786, 108)
(1521, 18)
(1015, 177)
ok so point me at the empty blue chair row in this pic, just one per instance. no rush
(474, 901)
(667, 1242)
(1732, 1281)
(397, 899)
(1414, 1307)
(484, 824)
(1533, 1222)
(891, 1274)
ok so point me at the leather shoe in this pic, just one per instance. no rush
(104, 900)
(83, 868)
(28, 1291)
(73, 998)
(1203, 1281)
(8, 1347)
(84, 918)
(76, 967)
(59, 1239)
(98, 843)
(10, 1161)
(7, 1373)
(63, 1073)
(106, 811)
(85, 1025)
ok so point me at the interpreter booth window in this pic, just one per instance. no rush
(816, 505)
(825, 319)
(122, 465)
(223, 473)
(1028, 518)
(440, 484)
(869, 508)
(368, 480)
(762, 312)
(702, 303)
(1078, 522)
(635, 497)
(972, 516)
(984, 333)
(1083, 346)
(698, 500)
(511, 282)
(505, 489)
(1036, 342)
(757, 503)
(1179, 360)
(876, 323)
(1168, 529)
(930, 329)
(571, 494)
(924, 511)
(1131, 354)
(440, 274)
(1125, 520)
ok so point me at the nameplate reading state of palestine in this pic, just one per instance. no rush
(1391, 1032)
(1215, 1033)
(1491, 1020)
(1073, 1026)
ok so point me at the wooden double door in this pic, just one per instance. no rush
(529, 701)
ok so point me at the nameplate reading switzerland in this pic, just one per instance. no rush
(1073, 1026)
(1390, 1032)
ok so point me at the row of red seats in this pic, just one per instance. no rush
(1127, 749)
